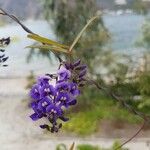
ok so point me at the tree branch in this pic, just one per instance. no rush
(4, 13)
(131, 109)
(120, 99)
(131, 138)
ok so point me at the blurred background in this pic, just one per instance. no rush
(116, 48)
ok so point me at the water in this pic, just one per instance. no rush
(124, 29)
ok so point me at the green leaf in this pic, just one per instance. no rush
(46, 41)
(49, 47)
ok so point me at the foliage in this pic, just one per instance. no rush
(140, 7)
(144, 89)
(115, 145)
(61, 147)
(144, 75)
(64, 147)
(86, 120)
(144, 86)
(145, 35)
(87, 147)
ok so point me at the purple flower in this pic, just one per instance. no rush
(74, 89)
(43, 80)
(3, 58)
(37, 112)
(63, 86)
(47, 90)
(49, 101)
(72, 102)
(82, 73)
(45, 126)
(4, 42)
(63, 99)
(80, 68)
(42, 105)
(53, 109)
(34, 93)
(34, 117)
(63, 74)
(77, 63)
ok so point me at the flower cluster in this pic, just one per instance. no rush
(53, 93)
(3, 42)
(3, 58)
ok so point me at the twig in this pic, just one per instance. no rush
(131, 138)
(81, 32)
(131, 109)
(3, 12)
(119, 99)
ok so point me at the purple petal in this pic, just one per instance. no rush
(82, 73)
(74, 89)
(44, 103)
(82, 67)
(63, 73)
(63, 118)
(34, 93)
(54, 108)
(49, 108)
(62, 97)
(34, 117)
(73, 102)
(42, 80)
(63, 86)
(77, 63)
(45, 126)
(47, 90)
(34, 106)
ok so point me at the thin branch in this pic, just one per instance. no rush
(131, 138)
(119, 99)
(3, 12)
(131, 109)
(81, 32)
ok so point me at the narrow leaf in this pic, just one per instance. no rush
(46, 41)
(49, 47)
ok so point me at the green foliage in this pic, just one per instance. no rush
(47, 44)
(140, 7)
(126, 89)
(115, 145)
(64, 147)
(87, 147)
(144, 104)
(144, 86)
(144, 89)
(86, 120)
(144, 76)
(144, 40)
(61, 147)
